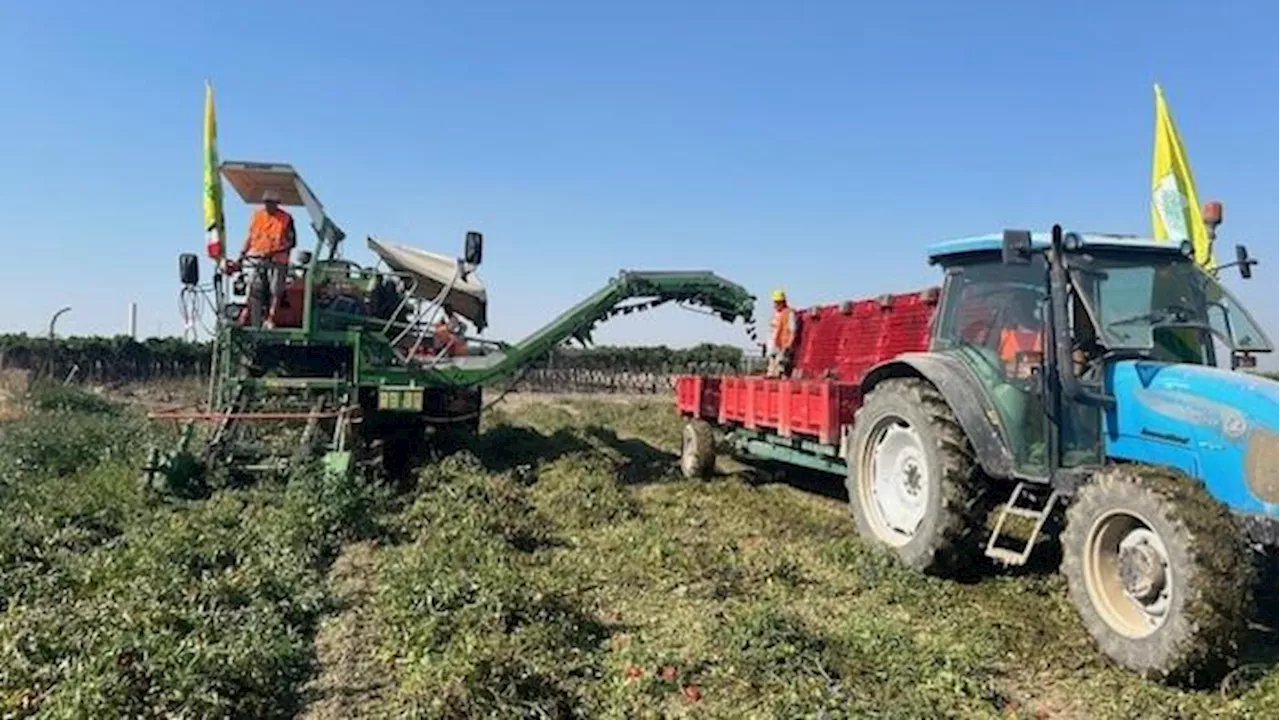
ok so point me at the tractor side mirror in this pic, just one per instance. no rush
(1016, 248)
(1245, 262)
(474, 249)
(188, 269)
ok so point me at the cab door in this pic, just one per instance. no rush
(993, 319)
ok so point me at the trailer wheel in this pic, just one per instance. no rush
(1159, 572)
(698, 449)
(912, 481)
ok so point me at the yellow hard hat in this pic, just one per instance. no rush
(779, 296)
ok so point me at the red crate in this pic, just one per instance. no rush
(698, 395)
(841, 342)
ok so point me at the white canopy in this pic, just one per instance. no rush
(433, 273)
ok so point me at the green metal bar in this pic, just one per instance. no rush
(792, 443)
(771, 451)
(357, 350)
(308, 304)
(296, 383)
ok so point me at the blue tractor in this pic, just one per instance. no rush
(1074, 387)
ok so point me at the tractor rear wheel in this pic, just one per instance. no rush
(698, 449)
(913, 483)
(1159, 572)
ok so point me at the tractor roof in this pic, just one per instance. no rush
(993, 242)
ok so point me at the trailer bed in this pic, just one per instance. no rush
(835, 347)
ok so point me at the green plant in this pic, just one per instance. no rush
(59, 397)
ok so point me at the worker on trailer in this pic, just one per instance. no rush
(270, 240)
(781, 337)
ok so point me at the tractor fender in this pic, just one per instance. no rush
(964, 393)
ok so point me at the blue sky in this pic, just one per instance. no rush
(815, 146)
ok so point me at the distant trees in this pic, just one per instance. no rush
(121, 358)
(104, 358)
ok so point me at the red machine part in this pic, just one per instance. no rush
(835, 347)
(289, 314)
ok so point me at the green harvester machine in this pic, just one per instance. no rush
(353, 371)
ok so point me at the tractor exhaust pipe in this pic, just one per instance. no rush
(1059, 282)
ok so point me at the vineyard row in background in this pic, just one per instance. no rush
(640, 370)
(597, 369)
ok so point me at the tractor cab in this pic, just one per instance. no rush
(1050, 372)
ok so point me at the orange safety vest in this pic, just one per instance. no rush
(1013, 342)
(271, 234)
(781, 326)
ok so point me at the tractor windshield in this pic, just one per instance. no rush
(1165, 304)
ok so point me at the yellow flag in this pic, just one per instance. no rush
(1175, 209)
(214, 221)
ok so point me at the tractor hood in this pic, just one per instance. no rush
(1216, 425)
(433, 273)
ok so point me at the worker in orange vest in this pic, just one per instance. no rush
(781, 337)
(271, 238)
(1022, 342)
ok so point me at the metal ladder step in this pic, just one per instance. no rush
(1037, 509)
(1005, 555)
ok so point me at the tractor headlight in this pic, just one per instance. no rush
(1233, 423)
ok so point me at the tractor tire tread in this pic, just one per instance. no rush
(955, 542)
(1202, 637)
(698, 451)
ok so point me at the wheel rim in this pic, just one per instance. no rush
(1127, 573)
(895, 481)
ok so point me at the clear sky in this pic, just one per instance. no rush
(815, 146)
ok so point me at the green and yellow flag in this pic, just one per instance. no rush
(214, 222)
(1175, 209)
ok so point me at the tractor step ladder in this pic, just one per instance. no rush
(1024, 503)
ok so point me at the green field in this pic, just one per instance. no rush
(558, 567)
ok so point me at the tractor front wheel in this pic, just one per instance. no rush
(1159, 572)
(913, 483)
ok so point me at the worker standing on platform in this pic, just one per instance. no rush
(781, 337)
(271, 238)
